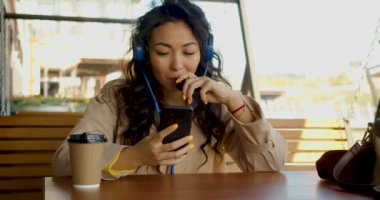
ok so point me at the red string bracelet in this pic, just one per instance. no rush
(237, 109)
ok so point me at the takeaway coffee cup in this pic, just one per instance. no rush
(86, 155)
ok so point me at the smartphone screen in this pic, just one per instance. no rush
(182, 115)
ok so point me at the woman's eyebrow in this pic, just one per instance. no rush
(169, 46)
(162, 44)
(189, 44)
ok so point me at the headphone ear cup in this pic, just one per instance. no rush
(210, 48)
(138, 52)
(209, 53)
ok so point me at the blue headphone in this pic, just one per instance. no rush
(139, 54)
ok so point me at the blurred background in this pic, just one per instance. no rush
(313, 66)
(298, 58)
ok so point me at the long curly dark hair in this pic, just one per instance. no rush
(135, 101)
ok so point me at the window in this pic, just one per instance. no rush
(310, 57)
(64, 63)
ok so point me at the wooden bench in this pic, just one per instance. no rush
(27, 144)
(307, 140)
(28, 141)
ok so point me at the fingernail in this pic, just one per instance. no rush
(191, 146)
(175, 126)
(184, 97)
(190, 137)
(190, 100)
(205, 102)
(176, 81)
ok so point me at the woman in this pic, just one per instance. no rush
(171, 43)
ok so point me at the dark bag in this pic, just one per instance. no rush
(353, 169)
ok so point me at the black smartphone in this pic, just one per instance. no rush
(182, 115)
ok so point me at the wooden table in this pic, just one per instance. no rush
(290, 185)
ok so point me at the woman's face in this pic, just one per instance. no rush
(174, 51)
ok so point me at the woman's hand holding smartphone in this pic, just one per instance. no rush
(151, 150)
(180, 115)
(170, 145)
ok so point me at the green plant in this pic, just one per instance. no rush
(18, 103)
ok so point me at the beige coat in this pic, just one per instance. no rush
(253, 146)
